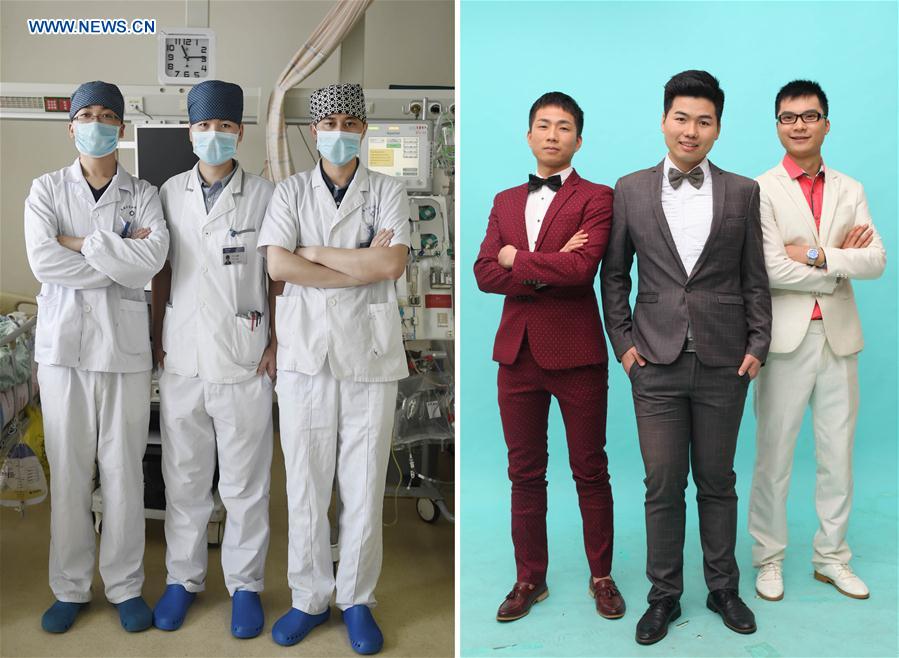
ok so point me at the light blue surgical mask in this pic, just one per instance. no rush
(213, 147)
(338, 147)
(96, 139)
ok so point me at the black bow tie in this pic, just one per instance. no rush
(676, 177)
(535, 182)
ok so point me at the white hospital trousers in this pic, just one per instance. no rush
(325, 423)
(102, 416)
(199, 421)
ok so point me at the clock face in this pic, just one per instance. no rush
(187, 57)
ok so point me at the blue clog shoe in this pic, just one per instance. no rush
(295, 624)
(365, 636)
(171, 609)
(60, 616)
(135, 615)
(247, 617)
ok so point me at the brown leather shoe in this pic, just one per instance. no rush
(609, 602)
(519, 601)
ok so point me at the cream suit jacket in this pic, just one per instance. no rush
(795, 287)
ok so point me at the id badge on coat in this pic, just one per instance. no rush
(234, 255)
(366, 235)
(127, 220)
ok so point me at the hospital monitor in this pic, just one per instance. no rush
(400, 149)
(162, 151)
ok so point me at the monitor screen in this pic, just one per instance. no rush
(402, 150)
(162, 151)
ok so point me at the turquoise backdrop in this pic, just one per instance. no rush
(614, 58)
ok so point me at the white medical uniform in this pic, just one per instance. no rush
(212, 402)
(93, 350)
(340, 354)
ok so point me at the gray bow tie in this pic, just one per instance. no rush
(676, 177)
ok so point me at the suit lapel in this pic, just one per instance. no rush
(659, 214)
(519, 232)
(719, 192)
(829, 205)
(223, 205)
(565, 192)
(795, 193)
(195, 204)
(355, 196)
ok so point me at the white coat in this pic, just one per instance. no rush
(207, 331)
(92, 313)
(356, 329)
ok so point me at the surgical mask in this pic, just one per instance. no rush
(338, 147)
(96, 139)
(213, 147)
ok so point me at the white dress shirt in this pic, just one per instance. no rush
(689, 213)
(537, 205)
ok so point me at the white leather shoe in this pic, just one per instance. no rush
(769, 583)
(841, 577)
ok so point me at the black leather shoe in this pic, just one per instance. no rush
(653, 625)
(736, 615)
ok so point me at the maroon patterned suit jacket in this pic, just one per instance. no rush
(549, 295)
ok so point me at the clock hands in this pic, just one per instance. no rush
(186, 56)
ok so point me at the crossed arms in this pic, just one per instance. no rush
(99, 258)
(860, 255)
(333, 267)
(504, 269)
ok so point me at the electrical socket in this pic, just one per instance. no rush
(134, 104)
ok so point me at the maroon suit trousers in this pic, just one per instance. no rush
(525, 390)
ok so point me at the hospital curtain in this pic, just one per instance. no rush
(326, 37)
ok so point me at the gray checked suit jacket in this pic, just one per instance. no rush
(726, 298)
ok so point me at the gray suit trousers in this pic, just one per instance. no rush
(689, 414)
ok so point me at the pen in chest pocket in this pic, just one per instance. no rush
(255, 318)
(126, 216)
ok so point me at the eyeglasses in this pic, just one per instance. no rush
(106, 117)
(789, 118)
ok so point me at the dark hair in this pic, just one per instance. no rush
(696, 84)
(798, 88)
(564, 101)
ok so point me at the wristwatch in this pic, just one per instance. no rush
(811, 256)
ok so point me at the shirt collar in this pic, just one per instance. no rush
(704, 165)
(794, 171)
(222, 182)
(562, 174)
(331, 185)
(122, 179)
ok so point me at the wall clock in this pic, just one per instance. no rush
(186, 55)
